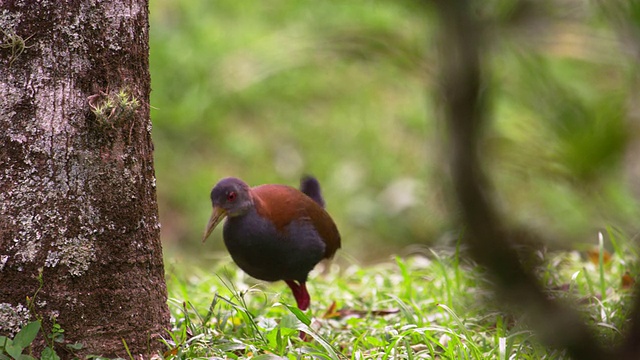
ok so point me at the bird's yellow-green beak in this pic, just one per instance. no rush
(216, 216)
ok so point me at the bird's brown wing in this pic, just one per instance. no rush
(283, 204)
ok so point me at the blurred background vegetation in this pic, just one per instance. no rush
(346, 90)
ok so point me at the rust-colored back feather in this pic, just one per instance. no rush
(282, 204)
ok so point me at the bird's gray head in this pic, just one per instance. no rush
(230, 197)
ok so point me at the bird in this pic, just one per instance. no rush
(275, 232)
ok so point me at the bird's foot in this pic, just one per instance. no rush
(300, 293)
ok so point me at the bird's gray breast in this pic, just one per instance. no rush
(271, 254)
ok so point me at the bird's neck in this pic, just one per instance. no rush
(241, 210)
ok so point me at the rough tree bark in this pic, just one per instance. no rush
(77, 185)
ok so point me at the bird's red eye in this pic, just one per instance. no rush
(231, 196)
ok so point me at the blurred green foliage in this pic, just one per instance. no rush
(345, 90)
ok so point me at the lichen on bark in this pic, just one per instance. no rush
(13, 318)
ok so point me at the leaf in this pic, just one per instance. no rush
(299, 314)
(279, 343)
(75, 346)
(26, 335)
(627, 281)
(4, 341)
(331, 311)
(13, 350)
(594, 256)
(331, 351)
(49, 354)
(171, 352)
(342, 313)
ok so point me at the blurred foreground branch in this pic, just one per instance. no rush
(462, 87)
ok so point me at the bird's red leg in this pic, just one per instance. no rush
(303, 299)
(301, 294)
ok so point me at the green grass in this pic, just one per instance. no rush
(345, 91)
(435, 305)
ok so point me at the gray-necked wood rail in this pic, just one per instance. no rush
(275, 232)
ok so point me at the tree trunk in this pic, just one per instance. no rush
(79, 230)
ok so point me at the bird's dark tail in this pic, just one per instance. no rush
(311, 187)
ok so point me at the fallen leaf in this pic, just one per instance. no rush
(331, 311)
(171, 352)
(594, 255)
(342, 313)
(627, 281)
